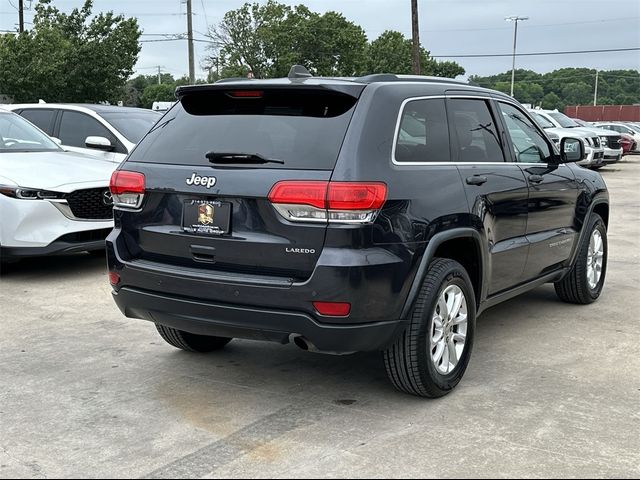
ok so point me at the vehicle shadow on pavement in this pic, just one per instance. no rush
(357, 379)
(62, 266)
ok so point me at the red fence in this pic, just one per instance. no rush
(589, 113)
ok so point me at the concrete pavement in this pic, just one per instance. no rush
(552, 390)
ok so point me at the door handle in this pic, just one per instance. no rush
(536, 178)
(476, 180)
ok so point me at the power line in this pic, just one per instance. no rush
(479, 55)
(533, 54)
(206, 19)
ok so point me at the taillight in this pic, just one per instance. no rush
(127, 189)
(322, 201)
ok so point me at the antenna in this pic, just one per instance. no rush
(298, 71)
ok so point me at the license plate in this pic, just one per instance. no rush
(206, 217)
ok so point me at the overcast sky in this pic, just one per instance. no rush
(447, 27)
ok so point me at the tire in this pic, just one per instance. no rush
(575, 287)
(191, 342)
(408, 361)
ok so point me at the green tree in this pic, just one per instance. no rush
(135, 87)
(391, 53)
(552, 101)
(268, 39)
(70, 57)
(568, 86)
(158, 93)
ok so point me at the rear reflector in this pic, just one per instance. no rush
(322, 201)
(114, 278)
(333, 309)
(127, 189)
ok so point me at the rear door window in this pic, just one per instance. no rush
(423, 133)
(41, 118)
(475, 128)
(303, 128)
(75, 127)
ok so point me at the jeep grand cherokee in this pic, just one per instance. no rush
(381, 213)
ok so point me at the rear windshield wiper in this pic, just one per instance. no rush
(236, 158)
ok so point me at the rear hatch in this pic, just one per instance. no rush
(210, 164)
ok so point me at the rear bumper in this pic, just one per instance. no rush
(375, 281)
(236, 321)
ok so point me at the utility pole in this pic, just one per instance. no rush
(159, 81)
(595, 93)
(21, 15)
(192, 72)
(415, 34)
(515, 19)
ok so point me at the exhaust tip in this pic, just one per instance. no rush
(301, 343)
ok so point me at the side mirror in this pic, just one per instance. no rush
(571, 150)
(57, 140)
(99, 143)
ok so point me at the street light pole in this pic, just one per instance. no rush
(515, 19)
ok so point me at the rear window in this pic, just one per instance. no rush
(423, 134)
(132, 124)
(302, 128)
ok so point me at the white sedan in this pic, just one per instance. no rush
(51, 201)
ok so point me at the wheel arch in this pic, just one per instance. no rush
(463, 245)
(600, 206)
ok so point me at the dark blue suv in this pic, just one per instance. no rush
(376, 213)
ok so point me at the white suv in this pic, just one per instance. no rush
(51, 201)
(105, 131)
(610, 140)
(594, 151)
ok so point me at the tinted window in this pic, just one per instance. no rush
(542, 121)
(423, 135)
(132, 124)
(41, 118)
(529, 144)
(304, 128)
(18, 135)
(478, 139)
(75, 127)
(563, 120)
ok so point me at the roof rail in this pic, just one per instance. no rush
(389, 77)
(377, 77)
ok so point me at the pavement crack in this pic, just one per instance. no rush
(31, 465)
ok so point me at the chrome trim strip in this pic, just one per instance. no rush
(440, 164)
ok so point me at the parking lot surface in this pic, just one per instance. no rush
(552, 390)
